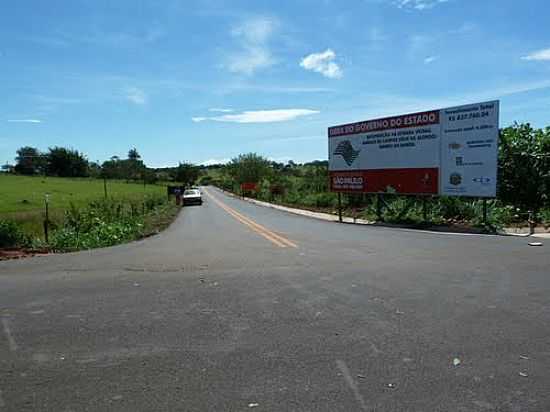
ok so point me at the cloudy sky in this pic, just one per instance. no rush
(205, 80)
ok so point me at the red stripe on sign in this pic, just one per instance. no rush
(399, 181)
(386, 123)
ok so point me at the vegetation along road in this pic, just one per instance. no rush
(236, 306)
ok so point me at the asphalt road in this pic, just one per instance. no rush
(237, 307)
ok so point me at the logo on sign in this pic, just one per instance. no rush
(455, 179)
(348, 182)
(346, 150)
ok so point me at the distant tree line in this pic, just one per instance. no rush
(66, 162)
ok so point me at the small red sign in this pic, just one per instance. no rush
(249, 187)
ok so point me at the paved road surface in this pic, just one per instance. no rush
(238, 307)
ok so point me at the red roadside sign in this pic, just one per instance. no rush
(249, 187)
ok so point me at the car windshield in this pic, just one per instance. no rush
(191, 192)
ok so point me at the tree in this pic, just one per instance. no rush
(134, 168)
(8, 168)
(29, 161)
(186, 173)
(65, 162)
(133, 154)
(149, 176)
(248, 168)
(524, 167)
(94, 169)
(131, 168)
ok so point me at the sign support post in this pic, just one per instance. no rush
(340, 207)
(424, 209)
(379, 207)
(485, 212)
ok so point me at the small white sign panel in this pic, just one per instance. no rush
(469, 150)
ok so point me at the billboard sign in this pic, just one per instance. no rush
(449, 152)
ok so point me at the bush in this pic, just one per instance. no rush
(320, 200)
(102, 234)
(104, 223)
(11, 235)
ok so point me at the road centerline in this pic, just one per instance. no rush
(273, 237)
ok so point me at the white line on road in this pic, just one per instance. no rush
(351, 383)
(7, 330)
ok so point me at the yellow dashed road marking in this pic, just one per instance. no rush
(274, 238)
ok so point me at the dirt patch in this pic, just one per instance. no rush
(8, 254)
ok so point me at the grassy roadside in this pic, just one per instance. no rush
(100, 224)
(160, 219)
(22, 198)
(443, 212)
(80, 217)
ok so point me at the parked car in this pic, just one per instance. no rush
(192, 197)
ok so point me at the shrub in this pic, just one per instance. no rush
(11, 234)
(320, 200)
(101, 235)
(104, 223)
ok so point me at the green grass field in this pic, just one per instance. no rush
(22, 197)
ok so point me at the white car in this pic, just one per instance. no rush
(192, 197)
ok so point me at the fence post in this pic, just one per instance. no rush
(47, 217)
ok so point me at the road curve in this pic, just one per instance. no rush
(237, 307)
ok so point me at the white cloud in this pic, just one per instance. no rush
(418, 4)
(259, 116)
(24, 121)
(430, 59)
(263, 88)
(540, 55)
(211, 162)
(323, 63)
(253, 36)
(218, 110)
(465, 28)
(136, 96)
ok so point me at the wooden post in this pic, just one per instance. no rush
(46, 219)
(340, 207)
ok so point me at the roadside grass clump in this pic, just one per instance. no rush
(11, 235)
(108, 222)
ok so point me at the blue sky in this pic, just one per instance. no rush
(205, 80)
